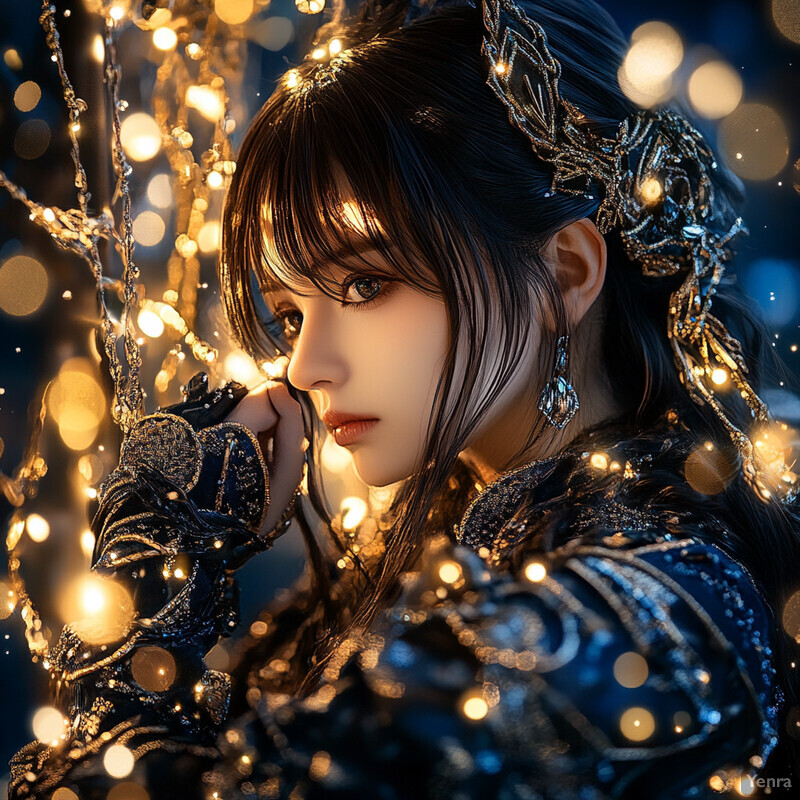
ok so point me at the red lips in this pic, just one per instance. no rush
(347, 428)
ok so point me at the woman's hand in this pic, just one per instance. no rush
(270, 412)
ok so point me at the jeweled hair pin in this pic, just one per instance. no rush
(657, 190)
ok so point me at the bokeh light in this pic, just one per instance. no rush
(786, 14)
(148, 228)
(77, 403)
(774, 284)
(353, 510)
(23, 286)
(100, 610)
(791, 616)
(150, 324)
(234, 12)
(118, 761)
(754, 141)
(165, 38)
(630, 670)
(27, 96)
(128, 790)
(637, 724)
(32, 139)
(12, 59)
(206, 100)
(87, 543)
(646, 74)
(62, 793)
(334, 458)
(535, 571)
(153, 668)
(272, 33)
(159, 191)
(709, 470)
(8, 600)
(240, 367)
(37, 527)
(715, 89)
(141, 136)
(48, 724)
(208, 239)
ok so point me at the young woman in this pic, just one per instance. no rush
(489, 275)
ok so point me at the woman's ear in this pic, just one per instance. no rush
(578, 256)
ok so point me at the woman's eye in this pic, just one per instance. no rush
(363, 290)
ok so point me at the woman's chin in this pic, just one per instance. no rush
(377, 472)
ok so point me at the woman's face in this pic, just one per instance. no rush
(380, 360)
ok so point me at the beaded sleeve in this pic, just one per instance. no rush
(179, 515)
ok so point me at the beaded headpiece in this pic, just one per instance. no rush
(655, 182)
(657, 190)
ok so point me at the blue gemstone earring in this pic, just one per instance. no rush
(559, 401)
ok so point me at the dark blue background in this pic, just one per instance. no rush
(741, 31)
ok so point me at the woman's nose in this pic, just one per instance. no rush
(317, 359)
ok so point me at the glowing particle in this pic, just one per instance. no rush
(719, 376)
(637, 724)
(37, 527)
(535, 571)
(475, 708)
(450, 572)
(630, 670)
(165, 38)
(118, 761)
(141, 136)
(49, 725)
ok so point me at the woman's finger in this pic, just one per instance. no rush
(288, 457)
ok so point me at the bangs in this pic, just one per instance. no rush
(315, 201)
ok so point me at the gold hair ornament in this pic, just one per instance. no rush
(657, 191)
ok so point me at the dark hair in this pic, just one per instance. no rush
(454, 199)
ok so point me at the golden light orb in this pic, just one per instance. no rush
(334, 458)
(637, 724)
(141, 136)
(719, 376)
(309, 6)
(165, 38)
(630, 670)
(500, 68)
(715, 89)
(27, 96)
(87, 543)
(98, 49)
(116, 13)
(335, 47)
(150, 323)
(214, 179)
(37, 527)
(234, 12)
(207, 100)
(353, 510)
(23, 285)
(208, 238)
(651, 191)
(535, 571)
(118, 761)
(754, 141)
(319, 53)
(475, 708)
(62, 793)
(239, 366)
(148, 228)
(655, 54)
(599, 461)
(786, 14)
(153, 668)
(49, 725)
(292, 78)
(450, 572)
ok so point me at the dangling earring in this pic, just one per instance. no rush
(559, 401)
